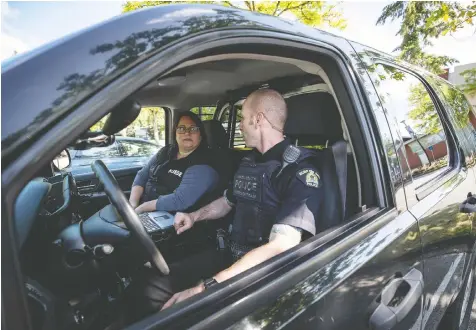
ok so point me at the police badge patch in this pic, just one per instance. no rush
(309, 177)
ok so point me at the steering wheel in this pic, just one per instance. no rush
(129, 216)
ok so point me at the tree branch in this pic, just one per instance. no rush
(276, 9)
(304, 15)
(302, 4)
(230, 4)
(464, 21)
(247, 3)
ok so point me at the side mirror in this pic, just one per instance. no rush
(62, 161)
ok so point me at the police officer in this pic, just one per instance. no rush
(276, 204)
(181, 176)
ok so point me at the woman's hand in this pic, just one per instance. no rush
(146, 207)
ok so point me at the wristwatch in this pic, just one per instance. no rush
(209, 282)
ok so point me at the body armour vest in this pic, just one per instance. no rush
(164, 179)
(153, 189)
(258, 202)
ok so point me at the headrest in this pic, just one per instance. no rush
(216, 134)
(313, 115)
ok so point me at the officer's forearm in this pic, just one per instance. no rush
(215, 210)
(253, 258)
(136, 193)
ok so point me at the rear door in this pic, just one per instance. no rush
(439, 181)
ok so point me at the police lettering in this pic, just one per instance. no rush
(245, 185)
(175, 172)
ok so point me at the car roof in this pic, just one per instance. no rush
(94, 51)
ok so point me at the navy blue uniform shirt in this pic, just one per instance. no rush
(299, 188)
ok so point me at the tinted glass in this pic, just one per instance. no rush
(411, 111)
(138, 149)
(461, 114)
(225, 118)
(238, 141)
(205, 113)
(101, 152)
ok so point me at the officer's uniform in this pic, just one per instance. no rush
(262, 198)
(197, 175)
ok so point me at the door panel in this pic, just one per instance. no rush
(93, 198)
(433, 192)
(446, 239)
(346, 293)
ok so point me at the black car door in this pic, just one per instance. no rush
(369, 275)
(439, 181)
(90, 192)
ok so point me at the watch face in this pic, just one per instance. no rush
(209, 282)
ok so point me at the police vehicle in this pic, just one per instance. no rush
(400, 255)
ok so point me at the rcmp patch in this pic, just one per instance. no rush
(309, 177)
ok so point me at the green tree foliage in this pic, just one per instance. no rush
(313, 13)
(470, 81)
(423, 114)
(423, 20)
(204, 112)
(150, 118)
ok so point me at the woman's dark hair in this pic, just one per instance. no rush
(197, 121)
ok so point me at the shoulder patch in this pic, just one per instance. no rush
(309, 177)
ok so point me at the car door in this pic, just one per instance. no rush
(439, 181)
(370, 275)
(91, 193)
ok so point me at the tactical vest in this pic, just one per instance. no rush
(258, 202)
(155, 187)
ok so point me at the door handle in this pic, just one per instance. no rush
(469, 205)
(396, 300)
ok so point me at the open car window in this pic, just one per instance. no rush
(101, 152)
(138, 148)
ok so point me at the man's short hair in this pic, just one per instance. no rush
(271, 103)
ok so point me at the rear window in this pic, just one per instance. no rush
(205, 113)
(238, 140)
(460, 114)
(410, 108)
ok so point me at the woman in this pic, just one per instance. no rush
(180, 176)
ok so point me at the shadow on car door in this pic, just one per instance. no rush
(93, 198)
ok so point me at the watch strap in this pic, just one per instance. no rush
(209, 282)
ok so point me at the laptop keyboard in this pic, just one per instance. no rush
(147, 222)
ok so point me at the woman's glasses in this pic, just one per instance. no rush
(191, 129)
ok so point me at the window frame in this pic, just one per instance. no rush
(432, 184)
